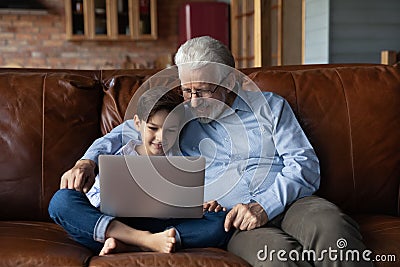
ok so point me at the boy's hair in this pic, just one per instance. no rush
(156, 99)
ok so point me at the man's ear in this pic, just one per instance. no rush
(230, 82)
(137, 122)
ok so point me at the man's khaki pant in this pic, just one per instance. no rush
(311, 232)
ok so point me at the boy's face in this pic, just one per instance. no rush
(159, 133)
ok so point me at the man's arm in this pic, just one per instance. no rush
(81, 177)
(299, 176)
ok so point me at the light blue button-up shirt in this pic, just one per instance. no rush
(255, 151)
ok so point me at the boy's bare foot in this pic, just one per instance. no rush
(159, 242)
(112, 245)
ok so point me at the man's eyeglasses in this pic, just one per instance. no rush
(188, 93)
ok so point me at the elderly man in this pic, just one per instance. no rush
(260, 164)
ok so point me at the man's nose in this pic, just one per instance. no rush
(195, 100)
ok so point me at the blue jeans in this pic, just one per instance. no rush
(87, 225)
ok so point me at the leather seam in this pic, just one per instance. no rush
(350, 129)
(42, 190)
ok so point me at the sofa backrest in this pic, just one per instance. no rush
(350, 113)
(47, 120)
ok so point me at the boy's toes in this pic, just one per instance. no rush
(109, 246)
(170, 247)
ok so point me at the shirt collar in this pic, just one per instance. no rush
(241, 101)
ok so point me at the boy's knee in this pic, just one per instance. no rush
(217, 220)
(59, 201)
(217, 217)
(213, 214)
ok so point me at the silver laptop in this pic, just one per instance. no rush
(152, 186)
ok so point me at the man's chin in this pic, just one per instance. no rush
(207, 115)
(203, 117)
(204, 120)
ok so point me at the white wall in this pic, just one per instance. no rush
(359, 30)
(316, 32)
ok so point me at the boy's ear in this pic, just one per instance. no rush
(137, 122)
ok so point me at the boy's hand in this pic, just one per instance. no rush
(81, 177)
(212, 206)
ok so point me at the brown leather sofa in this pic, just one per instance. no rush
(48, 118)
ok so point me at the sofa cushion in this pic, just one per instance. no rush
(381, 235)
(39, 244)
(189, 257)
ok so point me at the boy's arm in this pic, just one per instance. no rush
(110, 143)
(81, 177)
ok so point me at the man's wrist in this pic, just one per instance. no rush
(259, 210)
(90, 162)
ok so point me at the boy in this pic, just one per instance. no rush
(158, 120)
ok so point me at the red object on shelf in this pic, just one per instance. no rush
(204, 18)
(144, 7)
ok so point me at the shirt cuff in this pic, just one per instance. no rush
(271, 205)
(94, 156)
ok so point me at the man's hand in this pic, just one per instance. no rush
(81, 177)
(212, 206)
(246, 217)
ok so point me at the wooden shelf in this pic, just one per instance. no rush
(111, 20)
